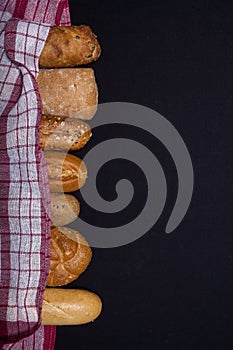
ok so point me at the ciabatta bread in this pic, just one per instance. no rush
(68, 92)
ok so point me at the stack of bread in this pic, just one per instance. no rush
(69, 96)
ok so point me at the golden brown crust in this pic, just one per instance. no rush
(69, 47)
(68, 92)
(69, 306)
(65, 208)
(70, 256)
(61, 133)
(66, 172)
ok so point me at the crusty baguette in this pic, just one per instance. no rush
(65, 208)
(60, 133)
(69, 306)
(66, 172)
(68, 92)
(69, 47)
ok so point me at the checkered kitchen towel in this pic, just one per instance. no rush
(24, 191)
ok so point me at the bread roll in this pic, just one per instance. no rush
(66, 172)
(68, 92)
(65, 208)
(70, 256)
(60, 133)
(69, 307)
(69, 47)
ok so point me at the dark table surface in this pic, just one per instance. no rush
(165, 291)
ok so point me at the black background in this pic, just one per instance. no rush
(166, 291)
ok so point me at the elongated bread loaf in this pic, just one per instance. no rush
(60, 133)
(66, 172)
(69, 306)
(69, 47)
(68, 92)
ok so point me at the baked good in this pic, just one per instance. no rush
(66, 172)
(69, 306)
(65, 209)
(70, 256)
(61, 133)
(68, 92)
(69, 47)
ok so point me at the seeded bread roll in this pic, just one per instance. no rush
(69, 306)
(60, 133)
(70, 256)
(66, 172)
(69, 47)
(68, 92)
(65, 209)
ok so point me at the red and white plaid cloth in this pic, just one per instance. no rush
(24, 190)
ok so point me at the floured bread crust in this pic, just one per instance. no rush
(68, 92)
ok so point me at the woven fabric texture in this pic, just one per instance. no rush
(24, 190)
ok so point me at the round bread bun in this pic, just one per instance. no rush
(66, 172)
(69, 46)
(70, 256)
(65, 208)
(62, 133)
